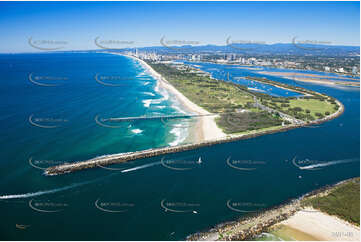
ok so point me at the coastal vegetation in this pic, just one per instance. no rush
(343, 201)
(303, 108)
(239, 112)
(213, 95)
(309, 107)
(239, 122)
(241, 109)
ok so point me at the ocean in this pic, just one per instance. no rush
(54, 108)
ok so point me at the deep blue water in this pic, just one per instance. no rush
(200, 194)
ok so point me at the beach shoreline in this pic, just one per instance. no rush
(304, 222)
(206, 128)
(321, 226)
(204, 133)
(124, 157)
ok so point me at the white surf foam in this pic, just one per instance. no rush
(137, 131)
(180, 135)
(149, 93)
(147, 102)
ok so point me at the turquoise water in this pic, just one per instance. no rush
(143, 200)
(74, 103)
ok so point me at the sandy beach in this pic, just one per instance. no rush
(289, 221)
(206, 127)
(321, 226)
(314, 78)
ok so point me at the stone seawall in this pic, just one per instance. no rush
(124, 157)
(249, 226)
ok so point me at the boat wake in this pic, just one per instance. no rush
(39, 193)
(324, 164)
(141, 167)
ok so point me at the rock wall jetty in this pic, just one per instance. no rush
(124, 157)
(252, 225)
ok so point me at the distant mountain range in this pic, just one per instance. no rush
(258, 49)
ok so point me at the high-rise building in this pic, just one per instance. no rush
(354, 70)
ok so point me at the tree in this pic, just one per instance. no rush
(298, 109)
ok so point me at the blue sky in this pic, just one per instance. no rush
(145, 23)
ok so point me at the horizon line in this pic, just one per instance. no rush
(177, 46)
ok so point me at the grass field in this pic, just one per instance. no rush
(247, 121)
(314, 105)
(343, 201)
(304, 108)
(231, 100)
(213, 95)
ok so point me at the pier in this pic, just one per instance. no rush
(127, 119)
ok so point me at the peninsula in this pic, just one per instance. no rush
(225, 111)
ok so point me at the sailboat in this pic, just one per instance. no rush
(21, 226)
